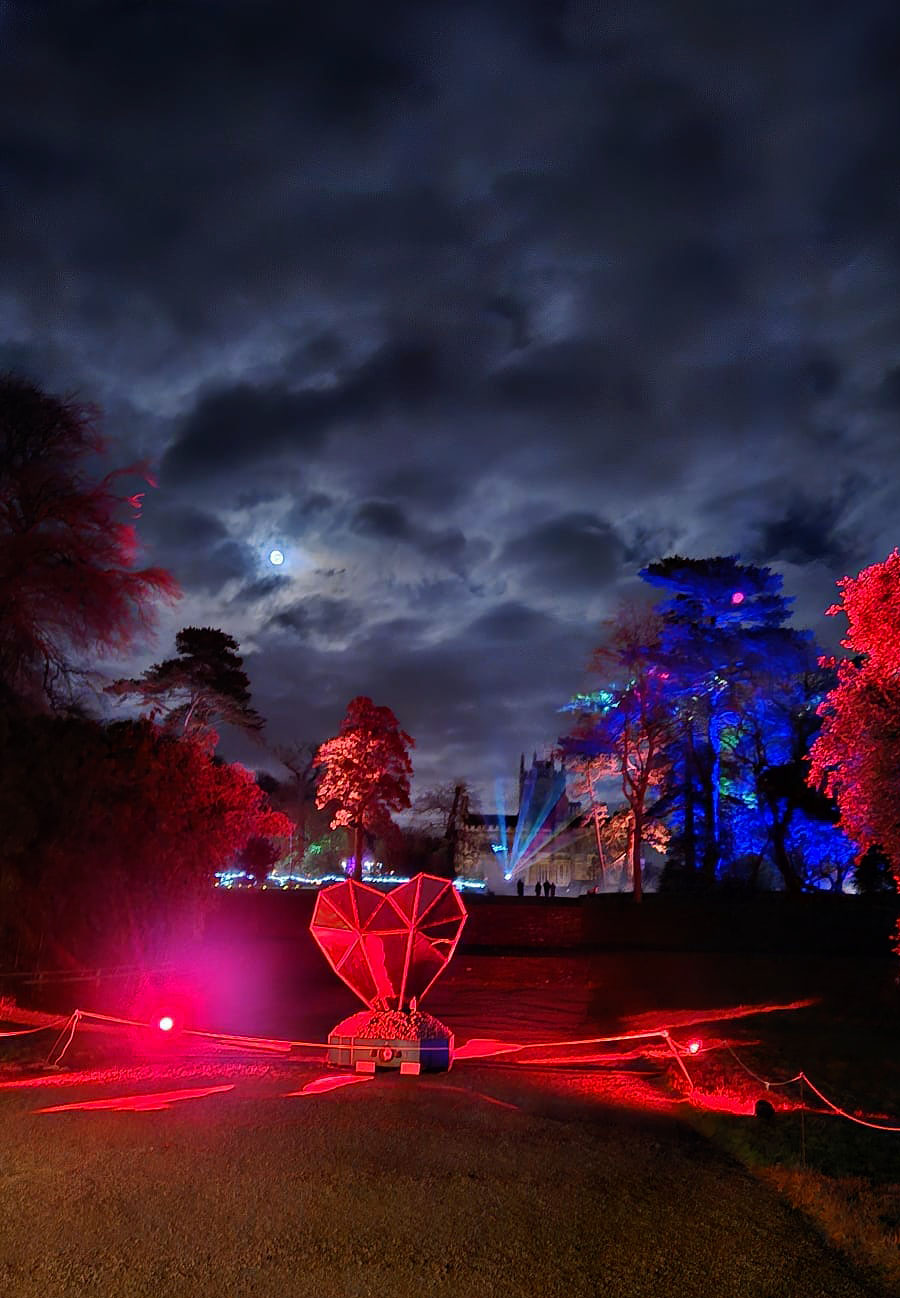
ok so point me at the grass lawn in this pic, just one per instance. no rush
(542, 1179)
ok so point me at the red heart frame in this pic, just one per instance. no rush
(389, 947)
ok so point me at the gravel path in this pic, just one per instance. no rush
(393, 1187)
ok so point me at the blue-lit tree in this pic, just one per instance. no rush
(723, 641)
(771, 813)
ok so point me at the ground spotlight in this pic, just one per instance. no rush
(694, 1047)
(166, 1023)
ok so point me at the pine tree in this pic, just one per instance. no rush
(723, 636)
(204, 686)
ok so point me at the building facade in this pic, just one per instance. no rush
(549, 837)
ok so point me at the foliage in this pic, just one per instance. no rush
(258, 855)
(366, 772)
(324, 850)
(113, 833)
(628, 735)
(297, 795)
(441, 830)
(856, 757)
(770, 811)
(735, 695)
(204, 686)
(872, 875)
(68, 584)
(723, 641)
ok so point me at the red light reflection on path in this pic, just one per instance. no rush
(485, 1048)
(331, 1083)
(138, 1103)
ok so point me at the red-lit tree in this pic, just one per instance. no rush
(366, 771)
(113, 833)
(624, 729)
(68, 583)
(856, 756)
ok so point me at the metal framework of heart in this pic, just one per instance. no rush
(389, 947)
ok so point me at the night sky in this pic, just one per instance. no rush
(472, 309)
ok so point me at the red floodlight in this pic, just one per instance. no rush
(694, 1047)
(166, 1023)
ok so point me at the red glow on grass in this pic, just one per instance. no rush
(476, 1095)
(332, 1082)
(691, 1018)
(738, 1105)
(138, 1103)
(609, 1058)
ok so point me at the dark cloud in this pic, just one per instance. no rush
(513, 621)
(231, 428)
(810, 531)
(182, 526)
(195, 545)
(319, 618)
(571, 553)
(890, 388)
(383, 522)
(471, 309)
(572, 378)
(379, 518)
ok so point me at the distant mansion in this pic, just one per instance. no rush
(550, 837)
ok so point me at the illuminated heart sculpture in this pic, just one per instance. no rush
(389, 947)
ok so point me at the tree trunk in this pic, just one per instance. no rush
(636, 836)
(710, 842)
(792, 884)
(690, 836)
(596, 815)
(357, 852)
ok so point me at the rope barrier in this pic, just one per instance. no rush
(862, 1122)
(283, 1046)
(83, 975)
(27, 1032)
(762, 1080)
(54, 1059)
(802, 1077)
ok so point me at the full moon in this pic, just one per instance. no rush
(276, 557)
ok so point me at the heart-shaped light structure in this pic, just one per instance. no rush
(389, 947)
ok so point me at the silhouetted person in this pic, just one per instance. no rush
(520, 887)
(546, 887)
(537, 888)
(552, 888)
